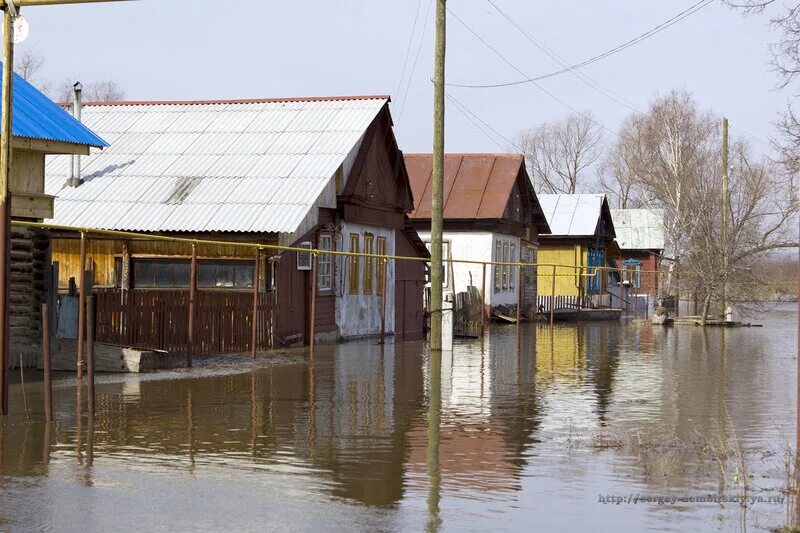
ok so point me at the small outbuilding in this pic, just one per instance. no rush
(640, 236)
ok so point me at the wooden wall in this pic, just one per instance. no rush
(560, 254)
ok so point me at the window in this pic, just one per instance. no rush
(325, 264)
(175, 273)
(505, 267)
(512, 258)
(498, 270)
(381, 250)
(354, 264)
(225, 274)
(304, 258)
(631, 272)
(369, 262)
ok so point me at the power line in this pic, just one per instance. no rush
(414, 66)
(597, 86)
(537, 85)
(408, 48)
(471, 115)
(694, 8)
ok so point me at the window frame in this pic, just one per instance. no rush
(354, 263)
(185, 261)
(498, 269)
(380, 249)
(324, 259)
(513, 270)
(369, 263)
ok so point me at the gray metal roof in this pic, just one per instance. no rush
(573, 215)
(249, 166)
(639, 229)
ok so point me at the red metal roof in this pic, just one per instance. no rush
(475, 185)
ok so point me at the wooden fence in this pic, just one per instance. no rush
(159, 320)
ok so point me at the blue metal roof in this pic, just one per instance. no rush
(37, 117)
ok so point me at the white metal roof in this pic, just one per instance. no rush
(639, 229)
(573, 215)
(251, 166)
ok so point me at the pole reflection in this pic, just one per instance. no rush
(434, 427)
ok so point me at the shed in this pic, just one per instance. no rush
(640, 235)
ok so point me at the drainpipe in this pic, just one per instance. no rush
(75, 163)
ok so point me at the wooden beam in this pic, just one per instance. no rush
(49, 147)
(32, 205)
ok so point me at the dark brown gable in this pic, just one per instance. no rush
(378, 179)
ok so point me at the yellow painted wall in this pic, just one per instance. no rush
(560, 353)
(103, 252)
(567, 279)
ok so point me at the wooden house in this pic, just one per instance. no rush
(582, 237)
(640, 236)
(320, 173)
(40, 129)
(491, 213)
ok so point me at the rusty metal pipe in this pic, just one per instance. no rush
(192, 300)
(256, 275)
(90, 352)
(48, 384)
(81, 308)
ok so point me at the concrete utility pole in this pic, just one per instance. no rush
(437, 179)
(9, 8)
(725, 208)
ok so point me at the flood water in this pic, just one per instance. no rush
(541, 431)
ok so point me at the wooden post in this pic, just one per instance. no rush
(5, 207)
(519, 295)
(483, 301)
(383, 302)
(48, 385)
(437, 178)
(313, 317)
(256, 276)
(90, 352)
(553, 297)
(81, 307)
(192, 303)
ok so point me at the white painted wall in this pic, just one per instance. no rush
(477, 246)
(360, 314)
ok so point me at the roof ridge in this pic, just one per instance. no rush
(241, 100)
(464, 154)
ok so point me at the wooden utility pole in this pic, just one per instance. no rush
(5, 205)
(437, 179)
(9, 8)
(725, 209)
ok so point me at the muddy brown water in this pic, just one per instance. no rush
(598, 427)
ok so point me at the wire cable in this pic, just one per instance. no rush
(414, 66)
(694, 8)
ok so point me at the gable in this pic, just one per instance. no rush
(378, 178)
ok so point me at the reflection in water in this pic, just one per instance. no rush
(533, 424)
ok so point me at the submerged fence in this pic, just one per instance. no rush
(169, 320)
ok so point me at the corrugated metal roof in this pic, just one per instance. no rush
(639, 229)
(572, 215)
(254, 166)
(476, 186)
(35, 116)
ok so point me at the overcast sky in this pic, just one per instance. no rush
(211, 49)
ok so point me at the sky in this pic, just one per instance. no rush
(211, 49)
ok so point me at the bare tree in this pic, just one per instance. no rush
(559, 153)
(617, 173)
(28, 64)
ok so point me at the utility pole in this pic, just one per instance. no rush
(725, 209)
(10, 8)
(5, 203)
(437, 179)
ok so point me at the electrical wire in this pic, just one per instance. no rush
(408, 48)
(594, 84)
(472, 117)
(537, 85)
(694, 8)
(414, 65)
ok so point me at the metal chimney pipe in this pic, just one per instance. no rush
(75, 161)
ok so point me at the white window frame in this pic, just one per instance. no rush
(304, 258)
(323, 260)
